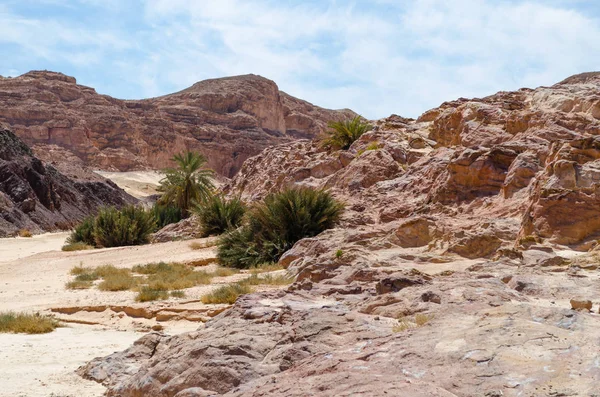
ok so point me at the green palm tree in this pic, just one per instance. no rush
(188, 183)
(343, 133)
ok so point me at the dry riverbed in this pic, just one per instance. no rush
(33, 274)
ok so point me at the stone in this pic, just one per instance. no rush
(581, 304)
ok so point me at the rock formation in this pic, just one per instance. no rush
(38, 197)
(464, 250)
(228, 119)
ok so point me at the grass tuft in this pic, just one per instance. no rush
(178, 294)
(148, 294)
(25, 233)
(226, 294)
(11, 322)
(225, 272)
(114, 279)
(266, 267)
(267, 279)
(80, 246)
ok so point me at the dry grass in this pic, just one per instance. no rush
(148, 294)
(177, 294)
(115, 279)
(25, 233)
(197, 245)
(84, 278)
(266, 267)
(224, 272)
(26, 323)
(226, 294)
(405, 323)
(77, 247)
(267, 279)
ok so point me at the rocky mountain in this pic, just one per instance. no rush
(38, 197)
(468, 266)
(228, 119)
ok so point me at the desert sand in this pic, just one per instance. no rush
(33, 273)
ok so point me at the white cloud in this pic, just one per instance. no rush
(376, 57)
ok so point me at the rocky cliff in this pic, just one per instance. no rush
(228, 119)
(38, 197)
(469, 238)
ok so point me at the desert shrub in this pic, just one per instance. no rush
(148, 294)
(25, 233)
(114, 279)
(83, 233)
(84, 277)
(188, 183)
(177, 294)
(129, 226)
(226, 294)
(11, 322)
(267, 279)
(80, 246)
(172, 276)
(342, 134)
(276, 224)
(165, 214)
(218, 214)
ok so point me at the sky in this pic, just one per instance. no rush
(376, 57)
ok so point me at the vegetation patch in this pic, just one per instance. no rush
(265, 268)
(11, 322)
(218, 214)
(79, 246)
(227, 294)
(225, 272)
(147, 294)
(267, 279)
(25, 233)
(342, 134)
(276, 224)
(405, 323)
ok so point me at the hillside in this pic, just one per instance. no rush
(227, 119)
(38, 197)
(469, 238)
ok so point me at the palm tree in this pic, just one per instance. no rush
(342, 134)
(189, 182)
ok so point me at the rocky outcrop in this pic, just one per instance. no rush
(228, 119)
(38, 197)
(455, 270)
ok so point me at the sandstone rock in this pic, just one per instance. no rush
(581, 304)
(227, 119)
(509, 177)
(37, 197)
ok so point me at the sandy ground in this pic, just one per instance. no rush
(33, 273)
(139, 184)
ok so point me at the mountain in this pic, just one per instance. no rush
(37, 197)
(469, 257)
(227, 119)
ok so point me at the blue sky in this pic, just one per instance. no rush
(376, 57)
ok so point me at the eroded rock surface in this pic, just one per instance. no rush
(228, 119)
(38, 197)
(463, 254)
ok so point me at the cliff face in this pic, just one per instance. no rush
(38, 197)
(228, 119)
(469, 236)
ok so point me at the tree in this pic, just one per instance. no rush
(188, 183)
(342, 134)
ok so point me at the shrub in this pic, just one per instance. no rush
(120, 280)
(226, 294)
(339, 254)
(342, 134)
(25, 233)
(165, 214)
(275, 225)
(11, 322)
(218, 215)
(172, 276)
(129, 226)
(148, 294)
(80, 246)
(83, 233)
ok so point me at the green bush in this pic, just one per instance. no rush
(165, 214)
(83, 233)
(218, 215)
(342, 134)
(275, 225)
(129, 226)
